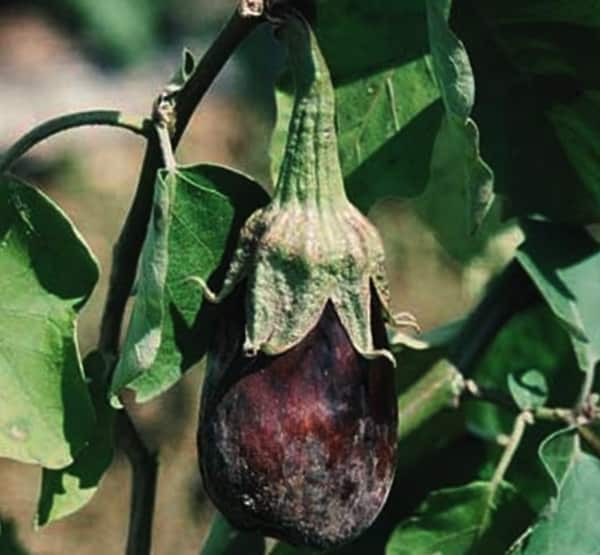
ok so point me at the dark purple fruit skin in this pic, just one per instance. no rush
(300, 446)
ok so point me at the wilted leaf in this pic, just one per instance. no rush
(46, 274)
(170, 324)
(67, 490)
(144, 334)
(476, 518)
(528, 389)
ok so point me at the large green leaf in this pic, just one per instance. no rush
(67, 490)
(538, 101)
(477, 518)
(564, 263)
(457, 86)
(400, 137)
(570, 522)
(197, 214)
(46, 274)
(394, 80)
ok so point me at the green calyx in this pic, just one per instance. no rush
(310, 245)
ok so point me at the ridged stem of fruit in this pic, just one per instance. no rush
(311, 171)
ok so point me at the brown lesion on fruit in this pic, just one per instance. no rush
(302, 446)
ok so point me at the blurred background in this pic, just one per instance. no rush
(59, 56)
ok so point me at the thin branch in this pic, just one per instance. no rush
(442, 386)
(511, 448)
(144, 472)
(586, 388)
(126, 254)
(590, 438)
(112, 118)
(128, 247)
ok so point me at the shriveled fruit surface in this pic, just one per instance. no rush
(301, 445)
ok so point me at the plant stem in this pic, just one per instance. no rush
(144, 472)
(440, 388)
(51, 127)
(128, 247)
(586, 388)
(124, 266)
(511, 448)
(590, 438)
(166, 147)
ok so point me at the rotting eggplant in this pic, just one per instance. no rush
(297, 431)
(301, 445)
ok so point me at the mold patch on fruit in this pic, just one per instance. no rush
(302, 445)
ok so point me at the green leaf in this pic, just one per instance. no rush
(196, 218)
(46, 274)
(529, 389)
(570, 523)
(524, 343)
(538, 102)
(224, 539)
(144, 334)
(476, 518)
(390, 81)
(455, 79)
(67, 490)
(388, 108)
(564, 263)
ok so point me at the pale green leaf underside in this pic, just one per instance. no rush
(205, 208)
(46, 274)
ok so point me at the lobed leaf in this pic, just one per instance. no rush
(46, 275)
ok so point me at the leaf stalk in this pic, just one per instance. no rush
(112, 118)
